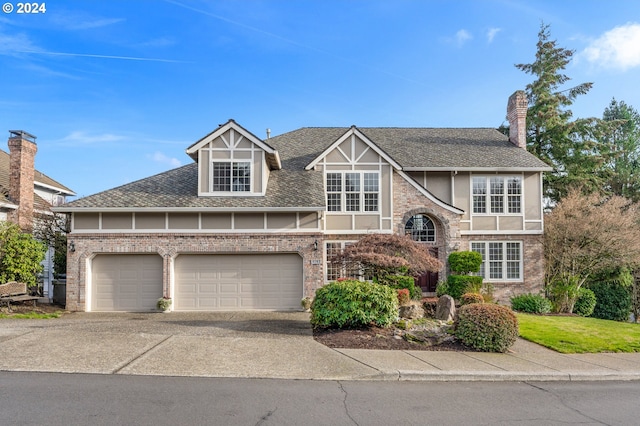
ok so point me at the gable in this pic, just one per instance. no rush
(233, 162)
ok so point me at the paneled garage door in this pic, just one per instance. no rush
(127, 282)
(227, 282)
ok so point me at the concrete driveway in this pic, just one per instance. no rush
(266, 344)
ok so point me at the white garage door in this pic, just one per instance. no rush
(128, 282)
(227, 282)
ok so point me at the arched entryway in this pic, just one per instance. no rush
(422, 228)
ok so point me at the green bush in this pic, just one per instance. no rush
(465, 262)
(531, 303)
(585, 303)
(353, 304)
(457, 284)
(486, 327)
(442, 288)
(401, 281)
(469, 298)
(613, 301)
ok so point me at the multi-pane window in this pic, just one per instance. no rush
(353, 191)
(231, 176)
(421, 228)
(334, 192)
(501, 260)
(335, 269)
(497, 194)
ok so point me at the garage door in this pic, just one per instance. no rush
(224, 282)
(130, 282)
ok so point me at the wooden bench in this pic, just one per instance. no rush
(13, 291)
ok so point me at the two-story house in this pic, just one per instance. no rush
(27, 195)
(251, 222)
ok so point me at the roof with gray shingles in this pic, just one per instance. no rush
(293, 186)
(38, 177)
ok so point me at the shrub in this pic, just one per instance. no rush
(469, 298)
(401, 281)
(465, 262)
(531, 303)
(585, 303)
(563, 293)
(457, 284)
(486, 327)
(403, 297)
(352, 304)
(442, 288)
(613, 301)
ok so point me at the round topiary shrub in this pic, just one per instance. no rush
(585, 303)
(486, 327)
(353, 304)
(469, 298)
(531, 304)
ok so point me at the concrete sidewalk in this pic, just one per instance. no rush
(267, 345)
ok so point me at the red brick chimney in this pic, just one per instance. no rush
(517, 116)
(22, 153)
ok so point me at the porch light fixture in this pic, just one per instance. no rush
(72, 246)
(315, 245)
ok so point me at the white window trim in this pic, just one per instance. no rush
(231, 162)
(325, 259)
(361, 192)
(485, 261)
(505, 195)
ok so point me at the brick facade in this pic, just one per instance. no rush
(86, 246)
(408, 201)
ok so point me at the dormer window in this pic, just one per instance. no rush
(231, 176)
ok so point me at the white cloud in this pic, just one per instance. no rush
(10, 44)
(618, 48)
(492, 33)
(82, 21)
(159, 157)
(462, 36)
(82, 138)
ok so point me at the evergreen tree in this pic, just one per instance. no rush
(571, 147)
(623, 144)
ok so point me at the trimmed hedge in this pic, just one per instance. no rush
(613, 301)
(465, 262)
(353, 304)
(531, 304)
(401, 281)
(585, 303)
(486, 327)
(469, 298)
(457, 284)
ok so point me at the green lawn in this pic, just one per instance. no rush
(31, 315)
(569, 335)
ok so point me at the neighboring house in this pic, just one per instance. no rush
(27, 194)
(251, 222)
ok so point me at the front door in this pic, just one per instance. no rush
(429, 280)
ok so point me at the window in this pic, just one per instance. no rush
(497, 194)
(231, 176)
(421, 228)
(353, 191)
(335, 270)
(501, 260)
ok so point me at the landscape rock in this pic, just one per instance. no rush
(412, 311)
(446, 308)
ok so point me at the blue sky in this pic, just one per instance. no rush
(116, 91)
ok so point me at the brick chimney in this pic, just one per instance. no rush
(517, 116)
(22, 153)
